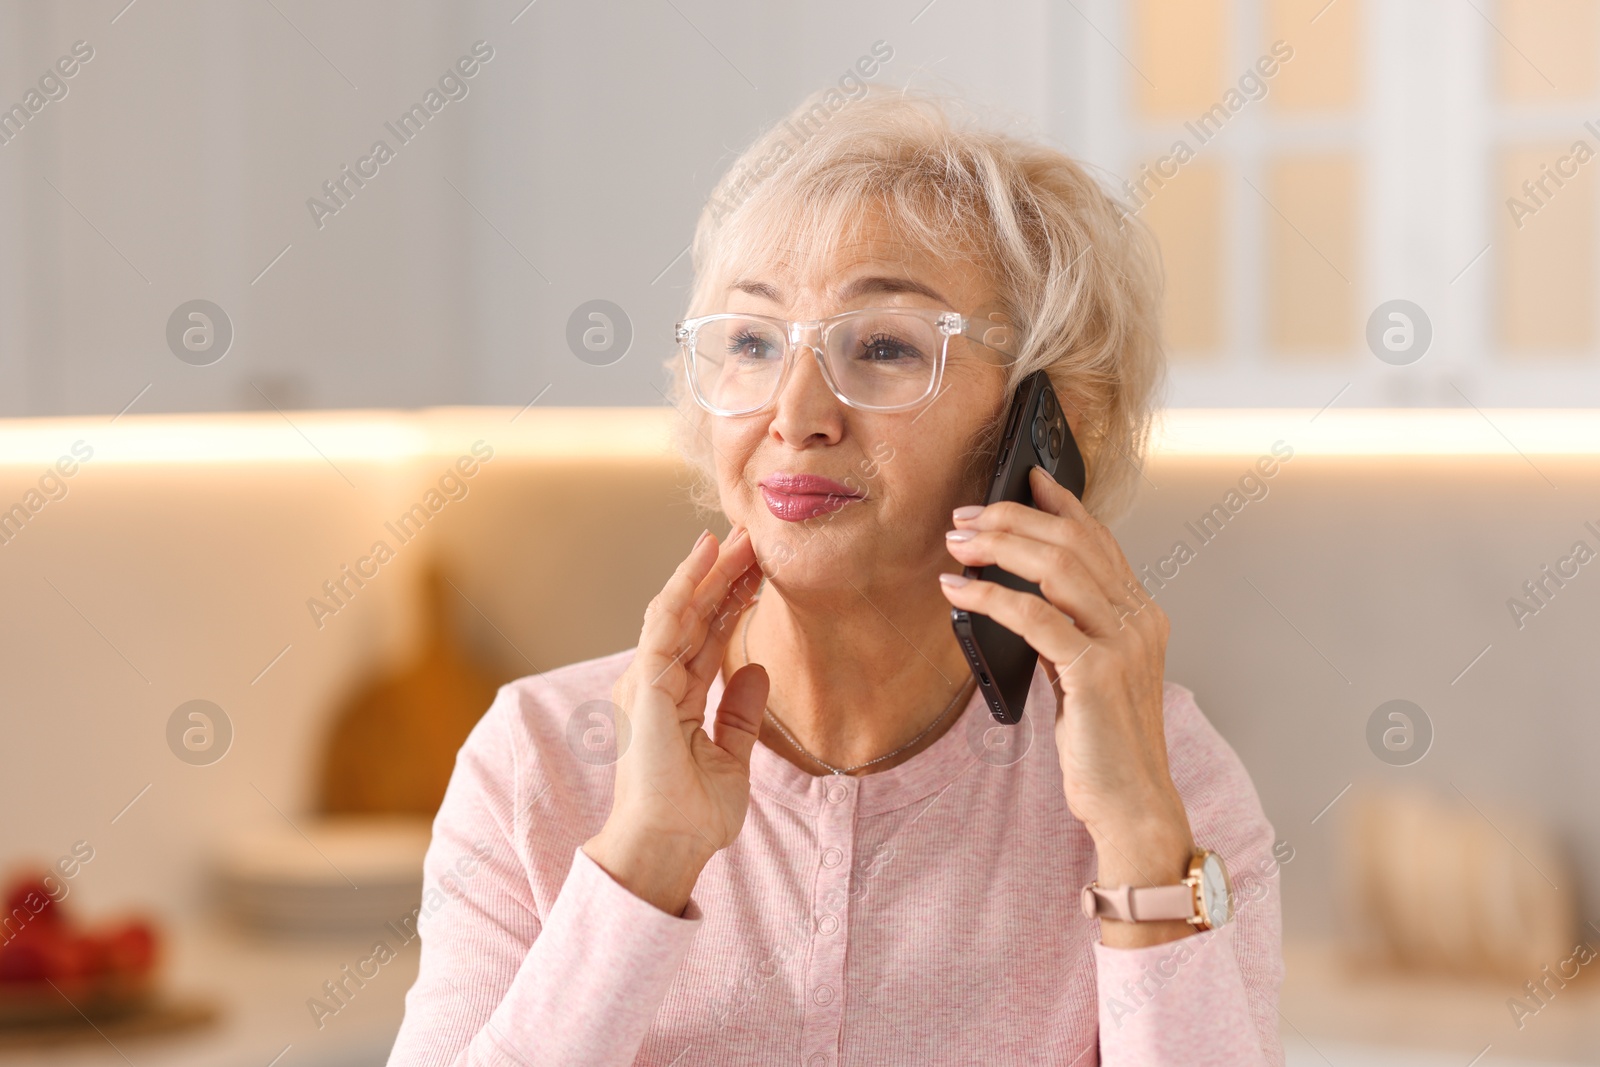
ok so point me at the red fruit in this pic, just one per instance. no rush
(94, 953)
(39, 941)
(29, 902)
(25, 959)
(130, 948)
(58, 953)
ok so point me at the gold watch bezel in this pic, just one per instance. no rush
(1195, 880)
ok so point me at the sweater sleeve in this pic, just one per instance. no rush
(1212, 997)
(497, 983)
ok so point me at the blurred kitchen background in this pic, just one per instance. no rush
(227, 368)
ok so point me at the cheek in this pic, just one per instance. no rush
(966, 448)
(916, 475)
(734, 444)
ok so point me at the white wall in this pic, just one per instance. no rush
(189, 145)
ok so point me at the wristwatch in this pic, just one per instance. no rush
(1202, 899)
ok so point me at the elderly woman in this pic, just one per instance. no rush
(808, 841)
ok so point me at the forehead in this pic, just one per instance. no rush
(853, 254)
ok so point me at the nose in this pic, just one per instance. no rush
(805, 411)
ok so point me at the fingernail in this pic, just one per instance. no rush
(1047, 474)
(960, 535)
(701, 539)
(970, 511)
(954, 581)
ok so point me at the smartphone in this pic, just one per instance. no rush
(1036, 432)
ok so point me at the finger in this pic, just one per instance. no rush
(705, 663)
(739, 714)
(687, 678)
(662, 616)
(1059, 500)
(1047, 631)
(1054, 497)
(1054, 529)
(711, 625)
(661, 645)
(1058, 570)
(675, 620)
(734, 556)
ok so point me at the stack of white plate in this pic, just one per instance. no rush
(324, 875)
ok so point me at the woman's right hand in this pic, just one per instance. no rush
(680, 793)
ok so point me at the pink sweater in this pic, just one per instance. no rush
(927, 914)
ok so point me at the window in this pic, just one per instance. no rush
(1304, 161)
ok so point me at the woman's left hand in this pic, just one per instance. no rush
(1103, 640)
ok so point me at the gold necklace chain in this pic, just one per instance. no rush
(744, 648)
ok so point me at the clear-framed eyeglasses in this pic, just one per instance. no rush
(874, 359)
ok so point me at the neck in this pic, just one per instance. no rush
(857, 675)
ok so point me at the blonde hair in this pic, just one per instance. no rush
(1077, 273)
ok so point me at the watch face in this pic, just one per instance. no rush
(1214, 890)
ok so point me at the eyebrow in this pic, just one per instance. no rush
(857, 288)
(863, 286)
(754, 288)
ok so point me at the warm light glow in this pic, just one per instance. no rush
(1379, 431)
(380, 437)
(393, 437)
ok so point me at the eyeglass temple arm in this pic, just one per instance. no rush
(993, 332)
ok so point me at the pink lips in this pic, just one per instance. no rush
(796, 497)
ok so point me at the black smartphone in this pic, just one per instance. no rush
(1036, 432)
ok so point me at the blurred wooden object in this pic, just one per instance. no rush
(1438, 886)
(393, 744)
(160, 1016)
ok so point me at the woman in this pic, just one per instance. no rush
(815, 845)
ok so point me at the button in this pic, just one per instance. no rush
(823, 995)
(828, 924)
(832, 857)
(837, 793)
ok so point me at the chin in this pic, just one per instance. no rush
(805, 554)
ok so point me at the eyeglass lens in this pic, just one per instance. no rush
(880, 360)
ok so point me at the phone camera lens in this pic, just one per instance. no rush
(1041, 433)
(1055, 440)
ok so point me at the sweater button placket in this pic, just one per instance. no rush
(823, 1007)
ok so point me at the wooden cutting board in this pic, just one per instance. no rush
(161, 1015)
(394, 741)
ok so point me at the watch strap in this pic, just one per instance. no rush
(1137, 904)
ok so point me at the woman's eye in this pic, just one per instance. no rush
(749, 346)
(886, 349)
